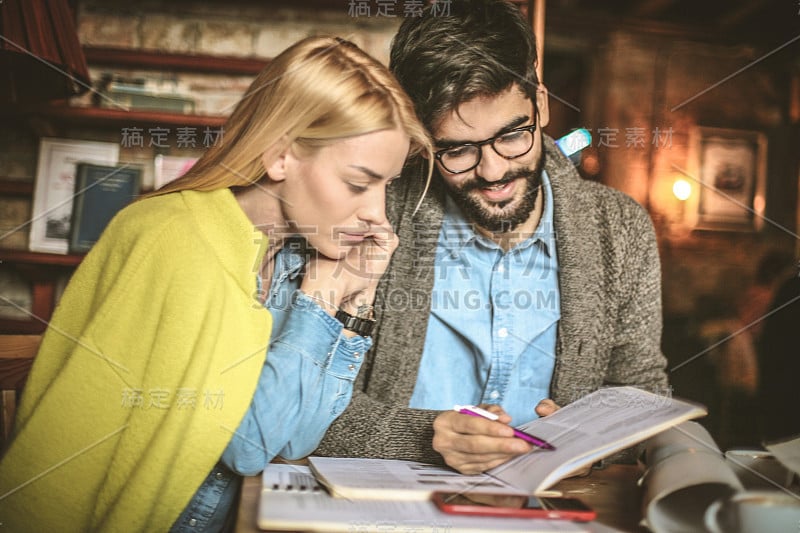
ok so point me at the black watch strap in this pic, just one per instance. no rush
(361, 326)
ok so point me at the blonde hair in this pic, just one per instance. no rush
(317, 91)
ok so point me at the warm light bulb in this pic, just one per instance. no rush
(681, 189)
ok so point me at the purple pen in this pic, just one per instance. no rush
(527, 437)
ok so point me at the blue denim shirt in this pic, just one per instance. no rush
(307, 381)
(492, 329)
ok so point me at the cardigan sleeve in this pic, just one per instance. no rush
(371, 428)
(636, 356)
(304, 385)
(160, 319)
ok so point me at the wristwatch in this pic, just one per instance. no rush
(361, 323)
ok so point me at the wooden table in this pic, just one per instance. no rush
(612, 492)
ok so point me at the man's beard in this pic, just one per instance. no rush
(490, 220)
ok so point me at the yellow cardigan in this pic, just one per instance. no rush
(145, 371)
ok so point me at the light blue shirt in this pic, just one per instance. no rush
(492, 329)
(306, 382)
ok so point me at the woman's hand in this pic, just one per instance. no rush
(351, 281)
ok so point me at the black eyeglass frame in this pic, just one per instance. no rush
(490, 141)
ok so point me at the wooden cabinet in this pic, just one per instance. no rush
(44, 271)
(61, 112)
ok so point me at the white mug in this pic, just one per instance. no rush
(758, 469)
(754, 511)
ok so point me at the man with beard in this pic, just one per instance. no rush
(516, 283)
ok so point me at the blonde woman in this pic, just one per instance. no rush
(151, 392)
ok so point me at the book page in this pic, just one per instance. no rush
(290, 502)
(589, 429)
(395, 479)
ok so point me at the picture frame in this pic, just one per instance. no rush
(55, 188)
(730, 170)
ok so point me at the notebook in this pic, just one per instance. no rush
(292, 500)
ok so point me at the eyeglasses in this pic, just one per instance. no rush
(509, 145)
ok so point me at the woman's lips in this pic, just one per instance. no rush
(354, 238)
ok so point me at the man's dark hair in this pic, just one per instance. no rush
(477, 49)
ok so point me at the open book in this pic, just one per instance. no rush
(583, 432)
(377, 479)
(291, 500)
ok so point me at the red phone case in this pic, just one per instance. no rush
(441, 499)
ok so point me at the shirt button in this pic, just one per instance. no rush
(501, 268)
(357, 355)
(192, 522)
(351, 368)
(494, 395)
(502, 333)
(218, 475)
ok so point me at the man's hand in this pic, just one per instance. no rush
(471, 444)
(546, 407)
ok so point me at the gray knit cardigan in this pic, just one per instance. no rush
(609, 332)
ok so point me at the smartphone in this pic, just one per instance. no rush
(512, 505)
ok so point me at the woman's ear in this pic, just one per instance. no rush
(274, 160)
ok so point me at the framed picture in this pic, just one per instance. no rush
(730, 168)
(55, 188)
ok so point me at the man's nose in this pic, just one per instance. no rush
(492, 166)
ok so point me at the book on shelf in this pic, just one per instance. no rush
(594, 427)
(55, 187)
(100, 192)
(15, 215)
(141, 100)
(17, 300)
(291, 499)
(142, 94)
